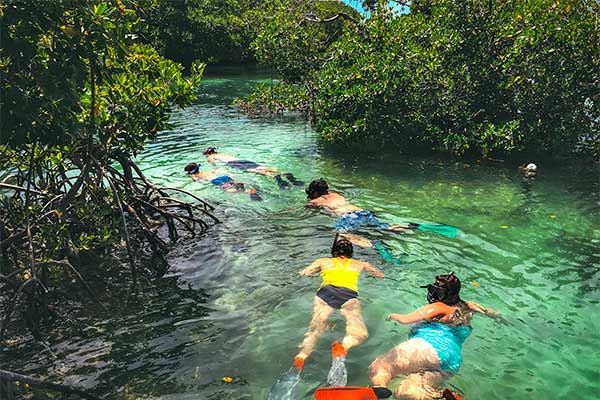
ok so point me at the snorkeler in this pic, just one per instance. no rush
(528, 171)
(433, 351)
(219, 178)
(338, 291)
(250, 166)
(351, 217)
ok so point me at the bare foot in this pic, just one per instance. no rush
(400, 228)
(357, 240)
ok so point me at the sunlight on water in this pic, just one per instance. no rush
(528, 251)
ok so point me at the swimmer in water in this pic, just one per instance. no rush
(350, 217)
(433, 351)
(528, 171)
(250, 166)
(338, 291)
(221, 179)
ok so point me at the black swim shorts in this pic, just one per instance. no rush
(336, 296)
(242, 164)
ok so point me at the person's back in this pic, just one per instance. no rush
(320, 196)
(341, 272)
(212, 155)
(338, 291)
(334, 202)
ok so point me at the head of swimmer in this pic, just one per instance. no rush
(445, 289)
(192, 168)
(209, 150)
(317, 188)
(342, 248)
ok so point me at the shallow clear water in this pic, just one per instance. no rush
(239, 309)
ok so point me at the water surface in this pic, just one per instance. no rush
(233, 305)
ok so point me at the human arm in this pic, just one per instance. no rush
(434, 311)
(312, 268)
(478, 308)
(314, 203)
(372, 270)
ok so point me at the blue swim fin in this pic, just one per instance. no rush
(386, 254)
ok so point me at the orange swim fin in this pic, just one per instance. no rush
(345, 393)
(450, 395)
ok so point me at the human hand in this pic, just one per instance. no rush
(391, 317)
(445, 317)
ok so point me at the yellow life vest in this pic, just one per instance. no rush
(340, 276)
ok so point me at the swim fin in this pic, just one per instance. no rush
(351, 393)
(382, 392)
(281, 183)
(386, 254)
(293, 179)
(254, 196)
(283, 388)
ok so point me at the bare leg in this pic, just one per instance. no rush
(421, 386)
(266, 171)
(408, 357)
(357, 240)
(321, 312)
(400, 228)
(356, 330)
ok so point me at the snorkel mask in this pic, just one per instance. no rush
(435, 293)
(192, 168)
(341, 247)
(316, 188)
(444, 290)
(209, 151)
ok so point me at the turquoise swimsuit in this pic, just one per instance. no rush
(446, 340)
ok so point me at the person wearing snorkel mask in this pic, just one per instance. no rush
(350, 217)
(250, 166)
(338, 291)
(433, 351)
(221, 179)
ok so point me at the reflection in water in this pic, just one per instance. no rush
(233, 305)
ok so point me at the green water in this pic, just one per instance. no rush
(233, 305)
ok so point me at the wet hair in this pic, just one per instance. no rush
(317, 188)
(446, 289)
(191, 168)
(239, 186)
(209, 151)
(342, 248)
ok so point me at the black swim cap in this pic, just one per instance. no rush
(446, 289)
(192, 168)
(209, 151)
(342, 248)
(317, 188)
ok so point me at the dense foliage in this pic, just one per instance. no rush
(294, 39)
(80, 96)
(462, 77)
(217, 31)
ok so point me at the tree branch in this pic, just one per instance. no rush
(13, 376)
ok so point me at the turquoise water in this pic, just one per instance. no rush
(233, 305)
